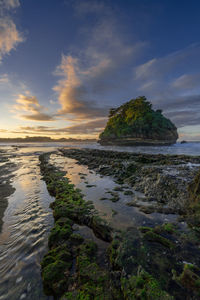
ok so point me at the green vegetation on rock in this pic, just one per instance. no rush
(137, 120)
(145, 263)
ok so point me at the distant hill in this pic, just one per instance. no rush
(136, 123)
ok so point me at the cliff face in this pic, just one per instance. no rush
(136, 123)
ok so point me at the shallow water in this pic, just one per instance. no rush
(28, 219)
(23, 240)
(95, 187)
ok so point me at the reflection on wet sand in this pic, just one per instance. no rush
(27, 222)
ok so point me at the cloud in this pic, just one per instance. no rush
(92, 127)
(10, 37)
(184, 111)
(86, 128)
(187, 81)
(164, 77)
(8, 4)
(161, 66)
(87, 79)
(171, 82)
(72, 94)
(4, 79)
(32, 109)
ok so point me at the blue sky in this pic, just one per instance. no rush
(64, 63)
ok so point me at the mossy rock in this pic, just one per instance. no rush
(53, 274)
(154, 237)
(127, 193)
(76, 239)
(64, 221)
(157, 255)
(60, 253)
(190, 279)
(101, 229)
(143, 286)
(58, 234)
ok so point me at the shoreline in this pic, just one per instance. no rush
(89, 257)
(126, 256)
(135, 142)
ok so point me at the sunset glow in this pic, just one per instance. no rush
(64, 64)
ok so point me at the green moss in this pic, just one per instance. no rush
(64, 221)
(70, 256)
(189, 279)
(193, 205)
(114, 199)
(76, 239)
(118, 189)
(101, 228)
(128, 193)
(59, 253)
(58, 234)
(168, 227)
(143, 286)
(114, 212)
(145, 229)
(154, 237)
(113, 253)
(47, 260)
(53, 273)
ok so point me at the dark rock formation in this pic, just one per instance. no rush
(136, 123)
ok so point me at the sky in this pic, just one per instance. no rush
(65, 63)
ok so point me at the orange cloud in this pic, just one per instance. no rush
(87, 80)
(72, 95)
(32, 109)
(9, 35)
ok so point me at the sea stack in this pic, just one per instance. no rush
(136, 123)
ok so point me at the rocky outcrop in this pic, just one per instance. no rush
(136, 123)
(162, 179)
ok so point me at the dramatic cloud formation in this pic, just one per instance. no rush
(72, 94)
(32, 109)
(9, 35)
(88, 79)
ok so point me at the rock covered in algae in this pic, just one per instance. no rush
(136, 123)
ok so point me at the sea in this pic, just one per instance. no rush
(188, 148)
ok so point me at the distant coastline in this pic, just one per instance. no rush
(44, 139)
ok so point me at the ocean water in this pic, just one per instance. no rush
(190, 148)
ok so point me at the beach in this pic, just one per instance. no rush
(139, 191)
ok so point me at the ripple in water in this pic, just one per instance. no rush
(23, 240)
